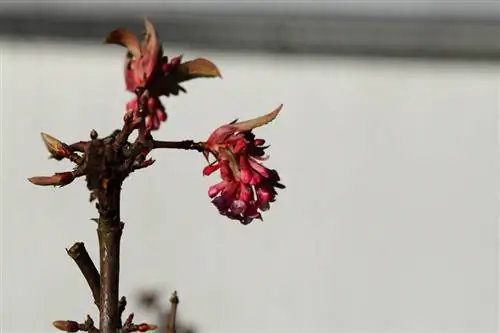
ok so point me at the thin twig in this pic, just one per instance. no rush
(185, 144)
(79, 254)
(122, 304)
(122, 136)
(75, 158)
(79, 146)
(174, 301)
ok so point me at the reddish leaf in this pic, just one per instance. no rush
(59, 179)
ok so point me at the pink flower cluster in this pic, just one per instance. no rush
(149, 74)
(247, 187)
(155, 79)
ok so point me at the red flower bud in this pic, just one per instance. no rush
(209, 169)
(143, 327)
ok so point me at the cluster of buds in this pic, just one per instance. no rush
(71, 326)
(247, 187)
(149, 74)
(128, 326)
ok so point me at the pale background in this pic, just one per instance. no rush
(388, 222)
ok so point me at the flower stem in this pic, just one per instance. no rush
(185, 144)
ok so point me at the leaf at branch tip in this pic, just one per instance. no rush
(151, 47)
(248, 125)
(197, 68)
(56, 148)
(59, 179)
(126, 39)
(150, 32)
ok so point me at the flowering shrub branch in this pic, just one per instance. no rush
(245, 191)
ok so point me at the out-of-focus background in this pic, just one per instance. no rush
(388, 143)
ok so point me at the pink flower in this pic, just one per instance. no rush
(247, 187)
(153, 112)
(149, 74)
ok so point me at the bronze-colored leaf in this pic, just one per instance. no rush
(59, 179)
(66, 325)
(57, 149)
(196, 68)
(248, 125)
(126, 39)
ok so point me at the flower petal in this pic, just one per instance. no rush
(246, 171)
(209, 169)
(214, 190)
(246, 193)
(220, 134)
(238, 207)
(259, 167)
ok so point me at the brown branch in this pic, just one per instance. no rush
(185, 144)
(79, 146)
(75, 158)
(109, 232)
(174, 301)
(106, 163)
(122, 136)
(79, 254)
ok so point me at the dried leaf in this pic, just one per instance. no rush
(248, 125)
(196, 68)
(56, 148)
(126, 39)
(59, 179)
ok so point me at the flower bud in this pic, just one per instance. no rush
(259, 142)
(144, 327)
(209, 169)
(66, 325)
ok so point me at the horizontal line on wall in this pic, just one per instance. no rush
(315, 34)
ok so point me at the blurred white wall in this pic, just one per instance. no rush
(388, 224)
